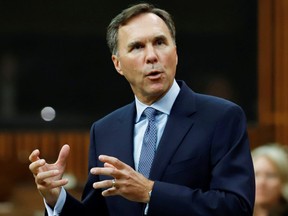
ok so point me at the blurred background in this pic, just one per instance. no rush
(57, 77)
(54, 53)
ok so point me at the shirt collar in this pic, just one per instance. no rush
(164, 105)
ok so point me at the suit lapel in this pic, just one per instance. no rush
(121, 136)
(179, 123)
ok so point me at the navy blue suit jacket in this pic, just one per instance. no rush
(202, 166)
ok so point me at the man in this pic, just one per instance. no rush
(202, 164)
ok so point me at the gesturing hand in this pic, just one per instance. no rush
(48, 177)
(127, 182)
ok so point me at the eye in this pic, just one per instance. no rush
(135, 46)
(159, 42)
(272, 175)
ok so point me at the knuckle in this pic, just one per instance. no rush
(113, 171)
(40, 187)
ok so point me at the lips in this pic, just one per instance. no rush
(154, 75)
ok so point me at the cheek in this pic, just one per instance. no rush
(130, 65)
(131, 71)
(276, 189)
(270, 191)
(172, 60)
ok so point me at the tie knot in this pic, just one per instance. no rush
(150, 113)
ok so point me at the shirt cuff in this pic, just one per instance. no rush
(147, 205)
(59, 204)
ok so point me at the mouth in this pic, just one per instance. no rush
(154, 75)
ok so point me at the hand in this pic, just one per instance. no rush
(128, 183)
(48, 177)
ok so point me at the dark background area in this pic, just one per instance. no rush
(60, 57)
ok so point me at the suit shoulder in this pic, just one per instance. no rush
(216, 104)
(214, 100)
(115, 115)
(200, 100)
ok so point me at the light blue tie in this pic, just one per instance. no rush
(149, 143)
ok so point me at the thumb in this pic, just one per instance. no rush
(63, 155)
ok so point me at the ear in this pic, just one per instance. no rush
(176, 55)
(117, 64)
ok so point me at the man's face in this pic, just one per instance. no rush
(147, 56)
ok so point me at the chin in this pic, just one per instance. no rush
(263, 202)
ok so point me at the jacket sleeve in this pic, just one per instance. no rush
(92, 202)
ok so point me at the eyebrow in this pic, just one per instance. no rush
(133, 44)
(159, 37)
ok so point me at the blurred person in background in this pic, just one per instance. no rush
(271, 175)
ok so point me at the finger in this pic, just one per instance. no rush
(63, 155)
(108, 165)
(34, 166)
(104, 184)
(34, 155)
(108, 171)
(112, 161)
(48, 174)
(110, 192)
(44, 185)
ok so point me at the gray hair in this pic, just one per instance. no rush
(130, 12)
(278, 155)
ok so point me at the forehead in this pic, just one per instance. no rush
(143, 25)
(263, 162)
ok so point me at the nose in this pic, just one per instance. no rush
(260, 180)
(151, 55)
